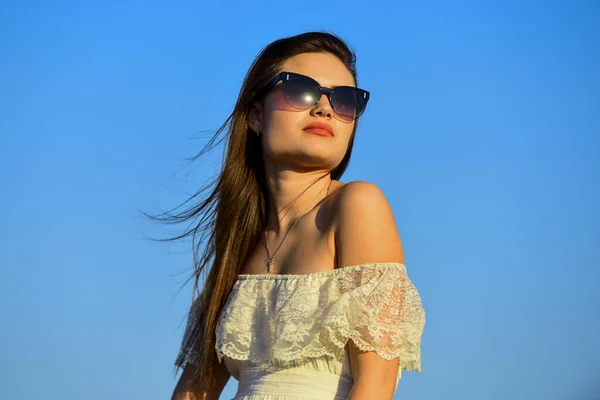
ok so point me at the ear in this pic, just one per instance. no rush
(255, 117)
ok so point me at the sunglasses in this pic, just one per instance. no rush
(303, 92)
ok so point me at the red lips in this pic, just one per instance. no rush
(319, 128)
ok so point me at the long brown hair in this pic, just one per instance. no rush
(231, 218)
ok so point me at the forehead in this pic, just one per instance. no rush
(325, 68)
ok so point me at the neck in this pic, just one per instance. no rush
(292, 193)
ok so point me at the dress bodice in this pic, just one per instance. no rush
(285, 336)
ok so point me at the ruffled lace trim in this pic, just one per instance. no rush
(187, 353)
(272, 319)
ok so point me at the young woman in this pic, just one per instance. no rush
(307, 295)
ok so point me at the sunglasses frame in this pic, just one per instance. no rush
(286, 76)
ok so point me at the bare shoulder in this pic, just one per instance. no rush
(364, 225)
(361, 193)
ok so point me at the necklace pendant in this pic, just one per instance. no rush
(269, 264)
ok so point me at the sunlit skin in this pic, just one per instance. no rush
(353, 226)
(284, 142)
(361, 225)
(293, 157)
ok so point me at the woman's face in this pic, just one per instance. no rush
(284, 138)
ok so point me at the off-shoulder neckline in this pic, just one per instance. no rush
(320, 274)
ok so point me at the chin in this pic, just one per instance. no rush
(319, 159)
(321, 146)
(308, 154)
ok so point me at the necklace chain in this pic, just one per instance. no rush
(271, 256)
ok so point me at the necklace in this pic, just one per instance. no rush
(270, 256)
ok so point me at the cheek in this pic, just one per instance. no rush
(280, 128)
(277, 101)
(279, 116)
(345, 130)
(345, 133)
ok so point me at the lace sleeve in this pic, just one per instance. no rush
(272, 320)
(188, 352)
(382, 312)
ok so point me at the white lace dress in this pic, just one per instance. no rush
(284, 337)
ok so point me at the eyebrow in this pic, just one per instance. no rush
(320, 84)
(331, 86)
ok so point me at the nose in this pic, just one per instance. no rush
(322, 108)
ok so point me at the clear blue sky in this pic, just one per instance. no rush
(483, 131)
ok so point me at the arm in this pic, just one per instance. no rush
(187, 389)
(374, 377)
(366, 232)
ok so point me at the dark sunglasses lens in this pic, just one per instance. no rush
(348, 103)
(301, 93)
